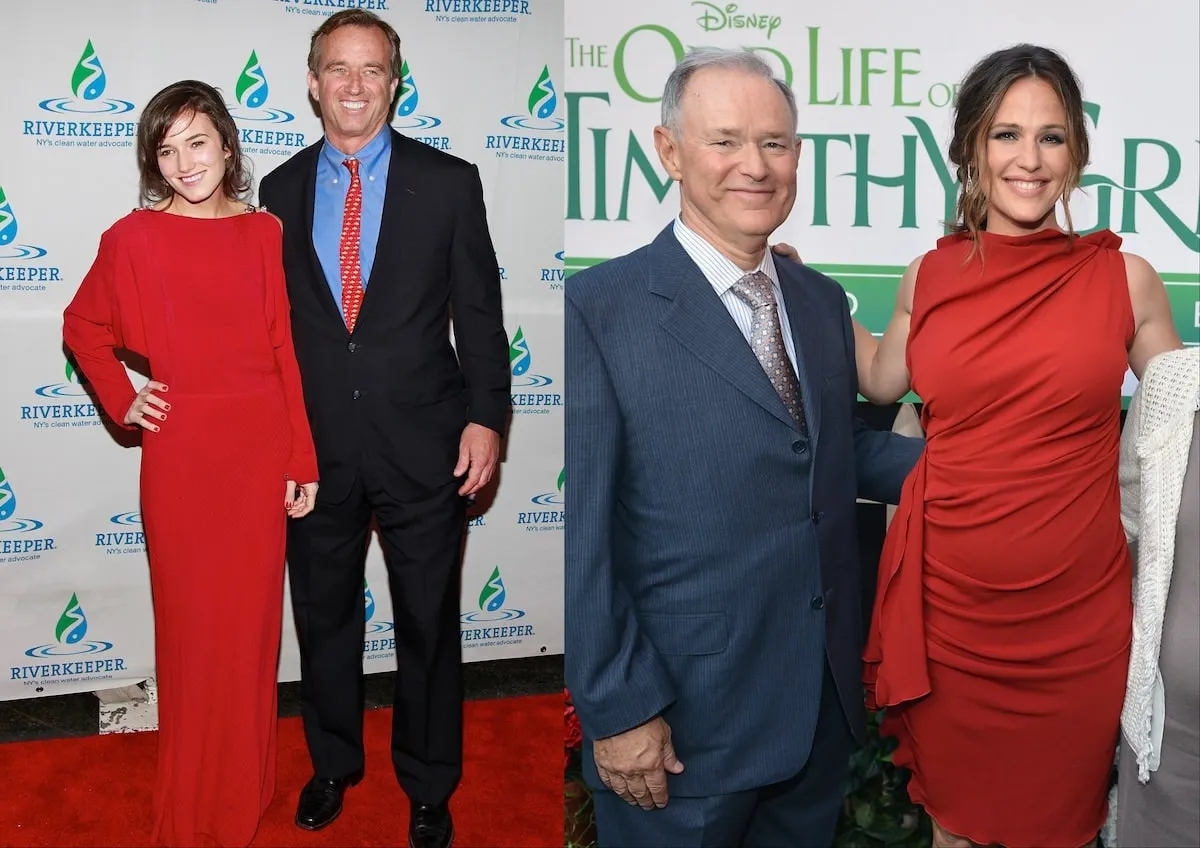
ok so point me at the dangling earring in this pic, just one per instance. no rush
(970, 183)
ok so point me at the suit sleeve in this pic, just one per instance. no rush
(302, 464)
(475, 304)
(91, 329)
(614, 675)
(882, 460)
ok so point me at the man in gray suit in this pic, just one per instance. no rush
(713, 590)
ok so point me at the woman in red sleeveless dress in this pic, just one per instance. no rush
(195, 285)
(1000, 636)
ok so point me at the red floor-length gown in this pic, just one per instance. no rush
(1002, 623)
(204, 301)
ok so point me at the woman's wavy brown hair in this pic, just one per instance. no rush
(185, 98)
(975, 108)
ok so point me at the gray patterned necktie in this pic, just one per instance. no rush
(766, 338)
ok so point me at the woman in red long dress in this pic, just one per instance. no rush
(1000, 636)
(195, 285)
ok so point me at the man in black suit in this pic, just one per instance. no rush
(384, 237)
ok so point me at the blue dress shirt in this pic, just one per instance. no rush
(333, 181)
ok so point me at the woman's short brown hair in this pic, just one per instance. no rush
(185, 98)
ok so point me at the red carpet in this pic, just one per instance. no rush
(96, 790)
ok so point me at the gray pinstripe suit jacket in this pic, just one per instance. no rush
(711, 548)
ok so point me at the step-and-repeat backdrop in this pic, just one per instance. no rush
(875, 83)
(482, 80)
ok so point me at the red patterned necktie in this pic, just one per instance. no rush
(351, 257)
(766, 338)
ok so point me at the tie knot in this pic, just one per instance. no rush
(756, 290)
(352, 165)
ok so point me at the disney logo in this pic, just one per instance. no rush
(713, 18)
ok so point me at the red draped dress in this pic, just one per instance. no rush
(1000, 637)
(203, 300)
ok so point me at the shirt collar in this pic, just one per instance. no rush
(718, 269)
(370, 158)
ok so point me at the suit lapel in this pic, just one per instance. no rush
(308, 202)
(700, 322)
(807, 341)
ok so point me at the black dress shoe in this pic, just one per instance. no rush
(430, 826)
(321, 801)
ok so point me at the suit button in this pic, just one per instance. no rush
(799, 446)
(816, 517)
(357, 394)
(818, 603)
(352, 347)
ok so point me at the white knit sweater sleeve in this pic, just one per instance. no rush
(1130, 470)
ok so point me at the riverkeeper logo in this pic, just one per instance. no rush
(477, 11)
(90, 117)
(325, 8)
(549, 514)
(21, 266)
(124, 536)
(377, 643)
(491, 625)
(21, 539)
(407, 118)
(70, 635)
(252, 91)
(535, 134)
(554, 275)
(62, 405)
(520, 360)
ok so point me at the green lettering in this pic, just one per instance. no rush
(866, 71)
(901, 72)
(1150, 195)
(821, 174)
(940, 167)
(575, 162)
(814, 36)
(863, 180)
(619, 60)
(637, 156)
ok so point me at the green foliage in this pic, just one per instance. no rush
(877, 811)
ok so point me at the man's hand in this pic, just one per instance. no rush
(787, 252)
(634, 764)
(478, 453)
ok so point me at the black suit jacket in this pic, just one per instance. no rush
(395, 393)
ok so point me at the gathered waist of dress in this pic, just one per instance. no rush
(223, 387)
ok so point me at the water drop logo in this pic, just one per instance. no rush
(406, 105)
(251, 92)
(72, 388)
(88, 82)
(542, 103)
(491, 603)
(9, 249)
(554, 498)
(9, 524)
(520, 358)
(69, 632)
(8, 499)
(369, 603)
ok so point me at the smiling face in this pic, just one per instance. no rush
(192, 159)
(1028, 160)
(734, 155)
(353, 85)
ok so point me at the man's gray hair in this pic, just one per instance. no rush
(715, 57)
